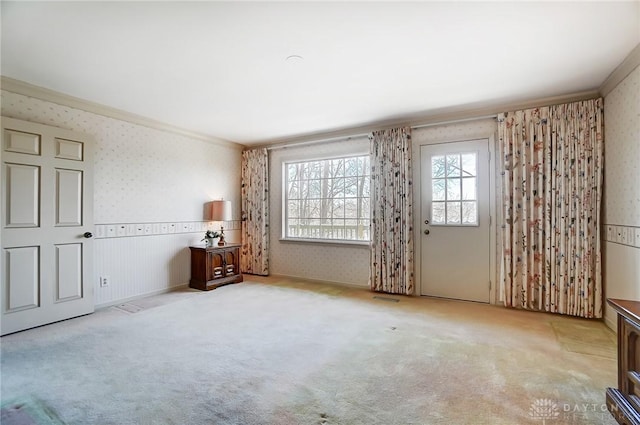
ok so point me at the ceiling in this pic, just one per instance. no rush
(220, 68)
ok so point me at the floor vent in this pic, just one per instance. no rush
(391, 300)
(129, 308)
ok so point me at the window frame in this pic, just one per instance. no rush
(285, 200)
(460, 201)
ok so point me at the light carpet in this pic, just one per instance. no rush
(275, 351)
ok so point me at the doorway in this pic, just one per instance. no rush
(455, 220)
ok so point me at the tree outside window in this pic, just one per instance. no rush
(328, 199)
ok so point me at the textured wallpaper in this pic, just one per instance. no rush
(622, 152)
(456, 132)
(622, 193)
(142, 174)
(320, 261)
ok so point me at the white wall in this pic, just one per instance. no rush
(143, 176)
(621, 233)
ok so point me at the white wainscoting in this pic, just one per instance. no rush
(144, 265)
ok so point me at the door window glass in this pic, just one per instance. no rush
(454, 189)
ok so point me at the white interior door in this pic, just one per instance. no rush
(455, 229)
(47, 220)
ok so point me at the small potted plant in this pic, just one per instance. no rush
(209, 236)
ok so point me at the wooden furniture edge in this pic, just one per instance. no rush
(628, 308)
(620, 408)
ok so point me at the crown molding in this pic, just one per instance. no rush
(444, 116)
(20, 87)
(441, 116)
(631, 62)
(490, 110)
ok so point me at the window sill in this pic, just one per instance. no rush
(334, 242)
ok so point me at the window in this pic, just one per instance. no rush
(453, 191)
(327, 199)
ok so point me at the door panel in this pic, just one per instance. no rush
(69, 271)
(230, 261)
(47, 262)
(455, 238)
(17, 141)
(22, 195)
(216, 261)
(22, 278)
(69, 149)
(68, 197)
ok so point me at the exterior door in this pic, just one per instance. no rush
(455, 229)
(47, 220)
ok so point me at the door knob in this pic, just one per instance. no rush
(88, 235)
(426, 232)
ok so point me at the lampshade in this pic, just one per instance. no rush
(220, 210)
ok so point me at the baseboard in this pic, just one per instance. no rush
(611, 324)
(145, 295)
(332, 282)
(329, 282)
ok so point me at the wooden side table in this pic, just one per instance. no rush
(214, 266)
(624, 402)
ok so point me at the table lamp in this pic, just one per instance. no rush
(221, 211)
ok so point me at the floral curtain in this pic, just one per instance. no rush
(551, 192)
(255, 212)
(391, 257)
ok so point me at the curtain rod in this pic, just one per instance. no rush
(317, 141)
(433, 124)
(357, 135)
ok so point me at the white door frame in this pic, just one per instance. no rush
(417, 217)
